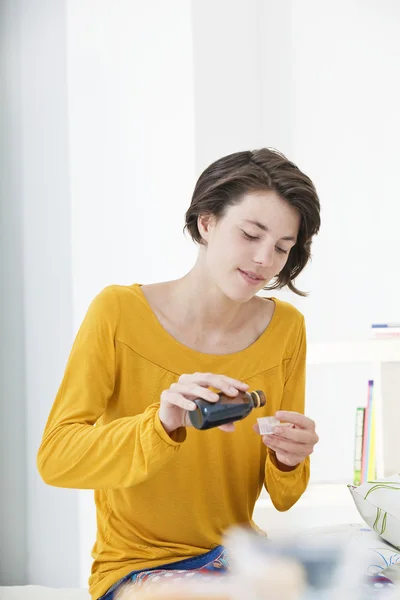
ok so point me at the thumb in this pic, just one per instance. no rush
(227, 427)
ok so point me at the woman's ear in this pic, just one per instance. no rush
(204, 224)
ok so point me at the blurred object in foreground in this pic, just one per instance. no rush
(290, 568)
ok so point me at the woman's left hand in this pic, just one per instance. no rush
(291, 444)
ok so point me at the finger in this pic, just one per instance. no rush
(287, 458)
(294, 434)
(193, 390)
(296, 419)
(228, 385)
(227, 427)
(256, 427)
(287, 446)
(178, 400)
(268, 441)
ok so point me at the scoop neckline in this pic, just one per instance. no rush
(180, 346)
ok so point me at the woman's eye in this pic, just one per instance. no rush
(281, 250)
(249, 237)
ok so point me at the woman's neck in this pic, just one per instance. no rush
(203, 306)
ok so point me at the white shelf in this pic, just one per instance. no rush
(321, 505)
(375, 351)
(384, 358)
(324, 494)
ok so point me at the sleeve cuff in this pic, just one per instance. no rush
(273, 465)
(175, 439)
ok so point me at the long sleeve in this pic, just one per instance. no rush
(76, 451)
(286, 487)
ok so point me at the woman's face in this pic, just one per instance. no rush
(250, 244)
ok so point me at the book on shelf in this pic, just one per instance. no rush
(385, 330)
(365, 444)
(358, 448)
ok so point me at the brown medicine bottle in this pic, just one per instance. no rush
(226, 410)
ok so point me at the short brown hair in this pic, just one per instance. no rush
(225, 182)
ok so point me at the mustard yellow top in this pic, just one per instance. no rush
(161, 499)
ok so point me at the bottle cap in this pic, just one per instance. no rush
(259, 398)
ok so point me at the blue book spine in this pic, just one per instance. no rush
(384, 325)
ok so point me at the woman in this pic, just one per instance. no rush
(166, 493)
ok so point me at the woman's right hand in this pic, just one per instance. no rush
(177, 401)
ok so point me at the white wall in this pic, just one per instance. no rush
(13, 553)
(243, 87)
(346, 127)
(40, 523)
(131, 133)
(52, 513)
(228, 86)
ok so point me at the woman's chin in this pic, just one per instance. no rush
(240, 293)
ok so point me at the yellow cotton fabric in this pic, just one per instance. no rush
(161, 499)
